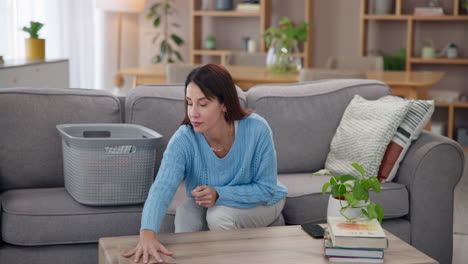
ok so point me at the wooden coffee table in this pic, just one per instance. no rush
(269, 245)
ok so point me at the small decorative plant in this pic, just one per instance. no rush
(354, 190)
(168, 42)
(282, 42)
(396, 62)
(33, 29)
(287, 32)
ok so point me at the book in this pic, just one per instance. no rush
(353, 259)
(333, 251)
(362, 233)
(428, 11)
(248, 7)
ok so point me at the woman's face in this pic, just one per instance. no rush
(204, 114)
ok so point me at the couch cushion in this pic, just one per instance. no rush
(30, 152)
(304, 117)
(364, 132)
(144, 103)
(305, 202)
(49, 216)
(412, 125)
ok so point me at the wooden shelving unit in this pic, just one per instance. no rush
(264, 16)
(410, 31)
(411, 20)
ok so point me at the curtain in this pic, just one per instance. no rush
(68, 30)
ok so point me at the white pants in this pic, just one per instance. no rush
(190, 217)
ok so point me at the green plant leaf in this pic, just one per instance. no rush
(347, 177)
(158, 58)
(374, 184)
(334, 180)
(170, 60)
(359, 192)
(350, 199)
(162, 49)
(179, 57)
(338, 190)
(149, 15)
(157, 21)
(365, 183)
(359, 168)
(380, 212)
(325, 187)
(169, 50)
(285, 21)
(177, 40)
(364, 212)
(371, 211)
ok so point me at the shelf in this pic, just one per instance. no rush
(212, 52)
(439, 61)
(226, 13)
(386, 17)
(417, 18)
(440, 18)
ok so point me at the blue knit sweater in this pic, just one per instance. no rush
(246, 177)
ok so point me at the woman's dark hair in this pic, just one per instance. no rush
(216, 82)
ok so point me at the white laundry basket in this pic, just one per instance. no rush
(108, 164)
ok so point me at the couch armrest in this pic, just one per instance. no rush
(430, 170)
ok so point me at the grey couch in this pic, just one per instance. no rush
(41, 223)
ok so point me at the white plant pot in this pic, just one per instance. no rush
(334, 207)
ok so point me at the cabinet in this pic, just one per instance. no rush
(47, 73)
(414, 30)
(264, 20)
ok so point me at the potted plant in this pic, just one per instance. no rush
(168, 41)
(396, 62)
(35, 47)
(352, 193)
(283, 53)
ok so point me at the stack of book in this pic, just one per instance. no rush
(248, 7)
(428, 11)
(360, 241)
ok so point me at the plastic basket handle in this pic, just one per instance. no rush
(117, 150)
(96, 134)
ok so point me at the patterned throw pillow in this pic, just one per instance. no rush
(365, 130)
(412, 125)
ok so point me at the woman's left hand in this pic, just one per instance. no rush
(205, 196)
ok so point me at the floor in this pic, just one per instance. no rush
(460, 222)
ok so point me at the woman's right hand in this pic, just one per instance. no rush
(148, 246)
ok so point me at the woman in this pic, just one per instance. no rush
(226, 155)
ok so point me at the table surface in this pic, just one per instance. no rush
(255, 73)
(269, 245)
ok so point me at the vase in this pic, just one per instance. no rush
(334, 206)
(224, 5)
(383, 7)
(209, 43)
(283, 56)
